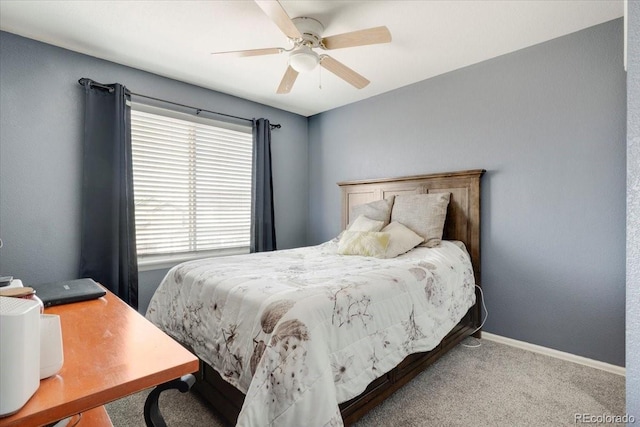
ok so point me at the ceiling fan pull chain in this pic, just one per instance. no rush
(320, 78)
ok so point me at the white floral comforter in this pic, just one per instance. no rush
(300, 330)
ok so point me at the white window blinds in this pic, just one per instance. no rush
(192, 185)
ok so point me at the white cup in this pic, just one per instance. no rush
(51, 353)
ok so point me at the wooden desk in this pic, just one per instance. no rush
(110, 351)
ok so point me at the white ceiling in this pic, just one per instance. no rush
(175, 39)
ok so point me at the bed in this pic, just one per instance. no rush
(311, 334)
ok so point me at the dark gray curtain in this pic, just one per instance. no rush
(108, 247)
(263, 231)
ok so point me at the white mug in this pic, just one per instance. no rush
(51, 353)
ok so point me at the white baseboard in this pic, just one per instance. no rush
(618, 370)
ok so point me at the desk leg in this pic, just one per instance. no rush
(152, 415)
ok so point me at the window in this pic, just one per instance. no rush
(192, 186)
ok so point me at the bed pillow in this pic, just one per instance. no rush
(363, 223)
(380, 210)
(424, 214)
(365, 243)
(401, 239)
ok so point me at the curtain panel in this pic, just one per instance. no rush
(263, 231)
(108, 245)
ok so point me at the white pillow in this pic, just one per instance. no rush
(401, 239)
(363, 223)
(365, 243)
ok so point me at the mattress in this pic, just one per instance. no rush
(300, 331)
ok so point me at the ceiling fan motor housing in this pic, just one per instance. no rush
(310, 29)
(303, 58)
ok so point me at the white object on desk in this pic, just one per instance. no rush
(20, 344)
(51, 354)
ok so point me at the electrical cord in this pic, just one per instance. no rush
(486, 314)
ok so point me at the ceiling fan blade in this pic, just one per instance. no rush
(344, 72)
(357, 38)
(276, 12)
(251, 52)
(287, 81)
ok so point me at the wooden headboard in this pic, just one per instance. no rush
(463, 214)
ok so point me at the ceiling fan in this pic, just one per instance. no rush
(304, 35)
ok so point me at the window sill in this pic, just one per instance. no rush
(160, 262)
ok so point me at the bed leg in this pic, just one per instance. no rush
(152, 415)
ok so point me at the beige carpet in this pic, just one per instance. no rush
(492, 385)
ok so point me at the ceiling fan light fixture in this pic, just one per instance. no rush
(303, 59)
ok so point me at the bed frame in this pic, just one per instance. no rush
(462, 223)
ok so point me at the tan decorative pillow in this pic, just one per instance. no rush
(380, 210)
(401, 239)
(424, 214)
(362, 223)
(365, 243)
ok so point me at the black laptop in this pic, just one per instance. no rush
(57, 293)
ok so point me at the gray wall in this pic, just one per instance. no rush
(41, 122)
(548, 123)
(633, 210)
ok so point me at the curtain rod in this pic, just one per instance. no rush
(198, 110)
